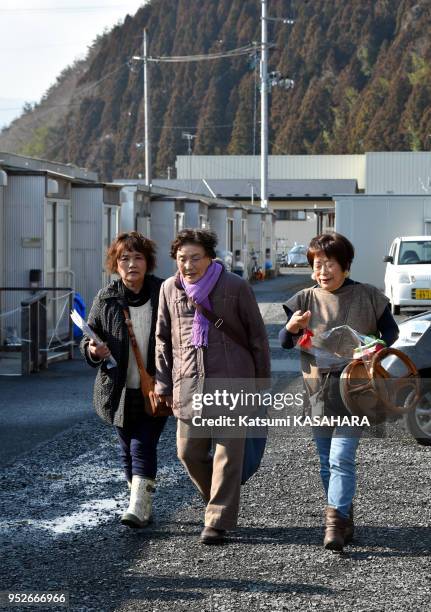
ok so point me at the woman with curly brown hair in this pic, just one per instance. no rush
(118, 399)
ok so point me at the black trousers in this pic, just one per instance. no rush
(139, 437)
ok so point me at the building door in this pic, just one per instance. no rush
(57, 263)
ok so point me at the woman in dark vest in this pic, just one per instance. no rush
(118, 399)
(334, 301)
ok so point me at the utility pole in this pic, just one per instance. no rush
(267, 82)
(264, 109)
(148, 178)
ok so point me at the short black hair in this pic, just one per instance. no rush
(202, 237)
(333, 245)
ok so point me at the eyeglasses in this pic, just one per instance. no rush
(328, 264)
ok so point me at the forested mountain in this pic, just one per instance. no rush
(361, 70)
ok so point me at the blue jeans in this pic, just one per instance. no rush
(337, 451)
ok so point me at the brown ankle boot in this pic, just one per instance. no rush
(350, 527)
(335, 526)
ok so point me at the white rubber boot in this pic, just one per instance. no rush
(138, 514)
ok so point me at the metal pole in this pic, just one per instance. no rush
(146, 113)
(264, 109)
(190, 164)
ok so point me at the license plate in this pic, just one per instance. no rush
(422, 294)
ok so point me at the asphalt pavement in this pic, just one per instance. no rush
(62, 493)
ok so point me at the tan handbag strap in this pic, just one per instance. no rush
(147, 383)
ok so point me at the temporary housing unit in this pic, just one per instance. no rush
(35, 226)
(37, 222)
(161, 213)
(240, 240)
(257, 240)
(95, 223)
(3, 185)
(221, 218)
(303, 208)
(372, 222)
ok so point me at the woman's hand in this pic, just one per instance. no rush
(98, 351)
(164, 398)
(299, 320)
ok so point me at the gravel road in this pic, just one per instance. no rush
(61, 501)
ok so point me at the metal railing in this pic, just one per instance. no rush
(34, 327)
(34, 356)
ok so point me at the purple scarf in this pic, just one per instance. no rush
(199, 292)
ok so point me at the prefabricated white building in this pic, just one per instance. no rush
(221, 220)
(36, 237)
(95, 223)
(256, 234)
(303, 208)
(399, 172)
(165, 212)
(279, 167)
(138, 200)
(3, 185)
(371, 222)
(240, 238)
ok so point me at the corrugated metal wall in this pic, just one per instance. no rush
(24, 200)
(279, 167)
(163, 232)
(87, 247)
(1, 240)
(2, 309)
(399, 173)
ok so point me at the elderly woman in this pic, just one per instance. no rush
(191, 350)
(118, 399)
(334, 301)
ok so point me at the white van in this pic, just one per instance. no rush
(408, 272)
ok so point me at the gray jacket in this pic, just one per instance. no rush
(181, 369)
(107, 319)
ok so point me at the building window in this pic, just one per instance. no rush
(284, 214)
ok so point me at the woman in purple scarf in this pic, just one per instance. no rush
(209, 328)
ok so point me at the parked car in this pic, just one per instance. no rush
(408, 272)
(297, 256)
(415, 342)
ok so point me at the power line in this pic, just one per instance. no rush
(198, 58)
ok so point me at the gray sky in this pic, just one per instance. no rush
(39, 38)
